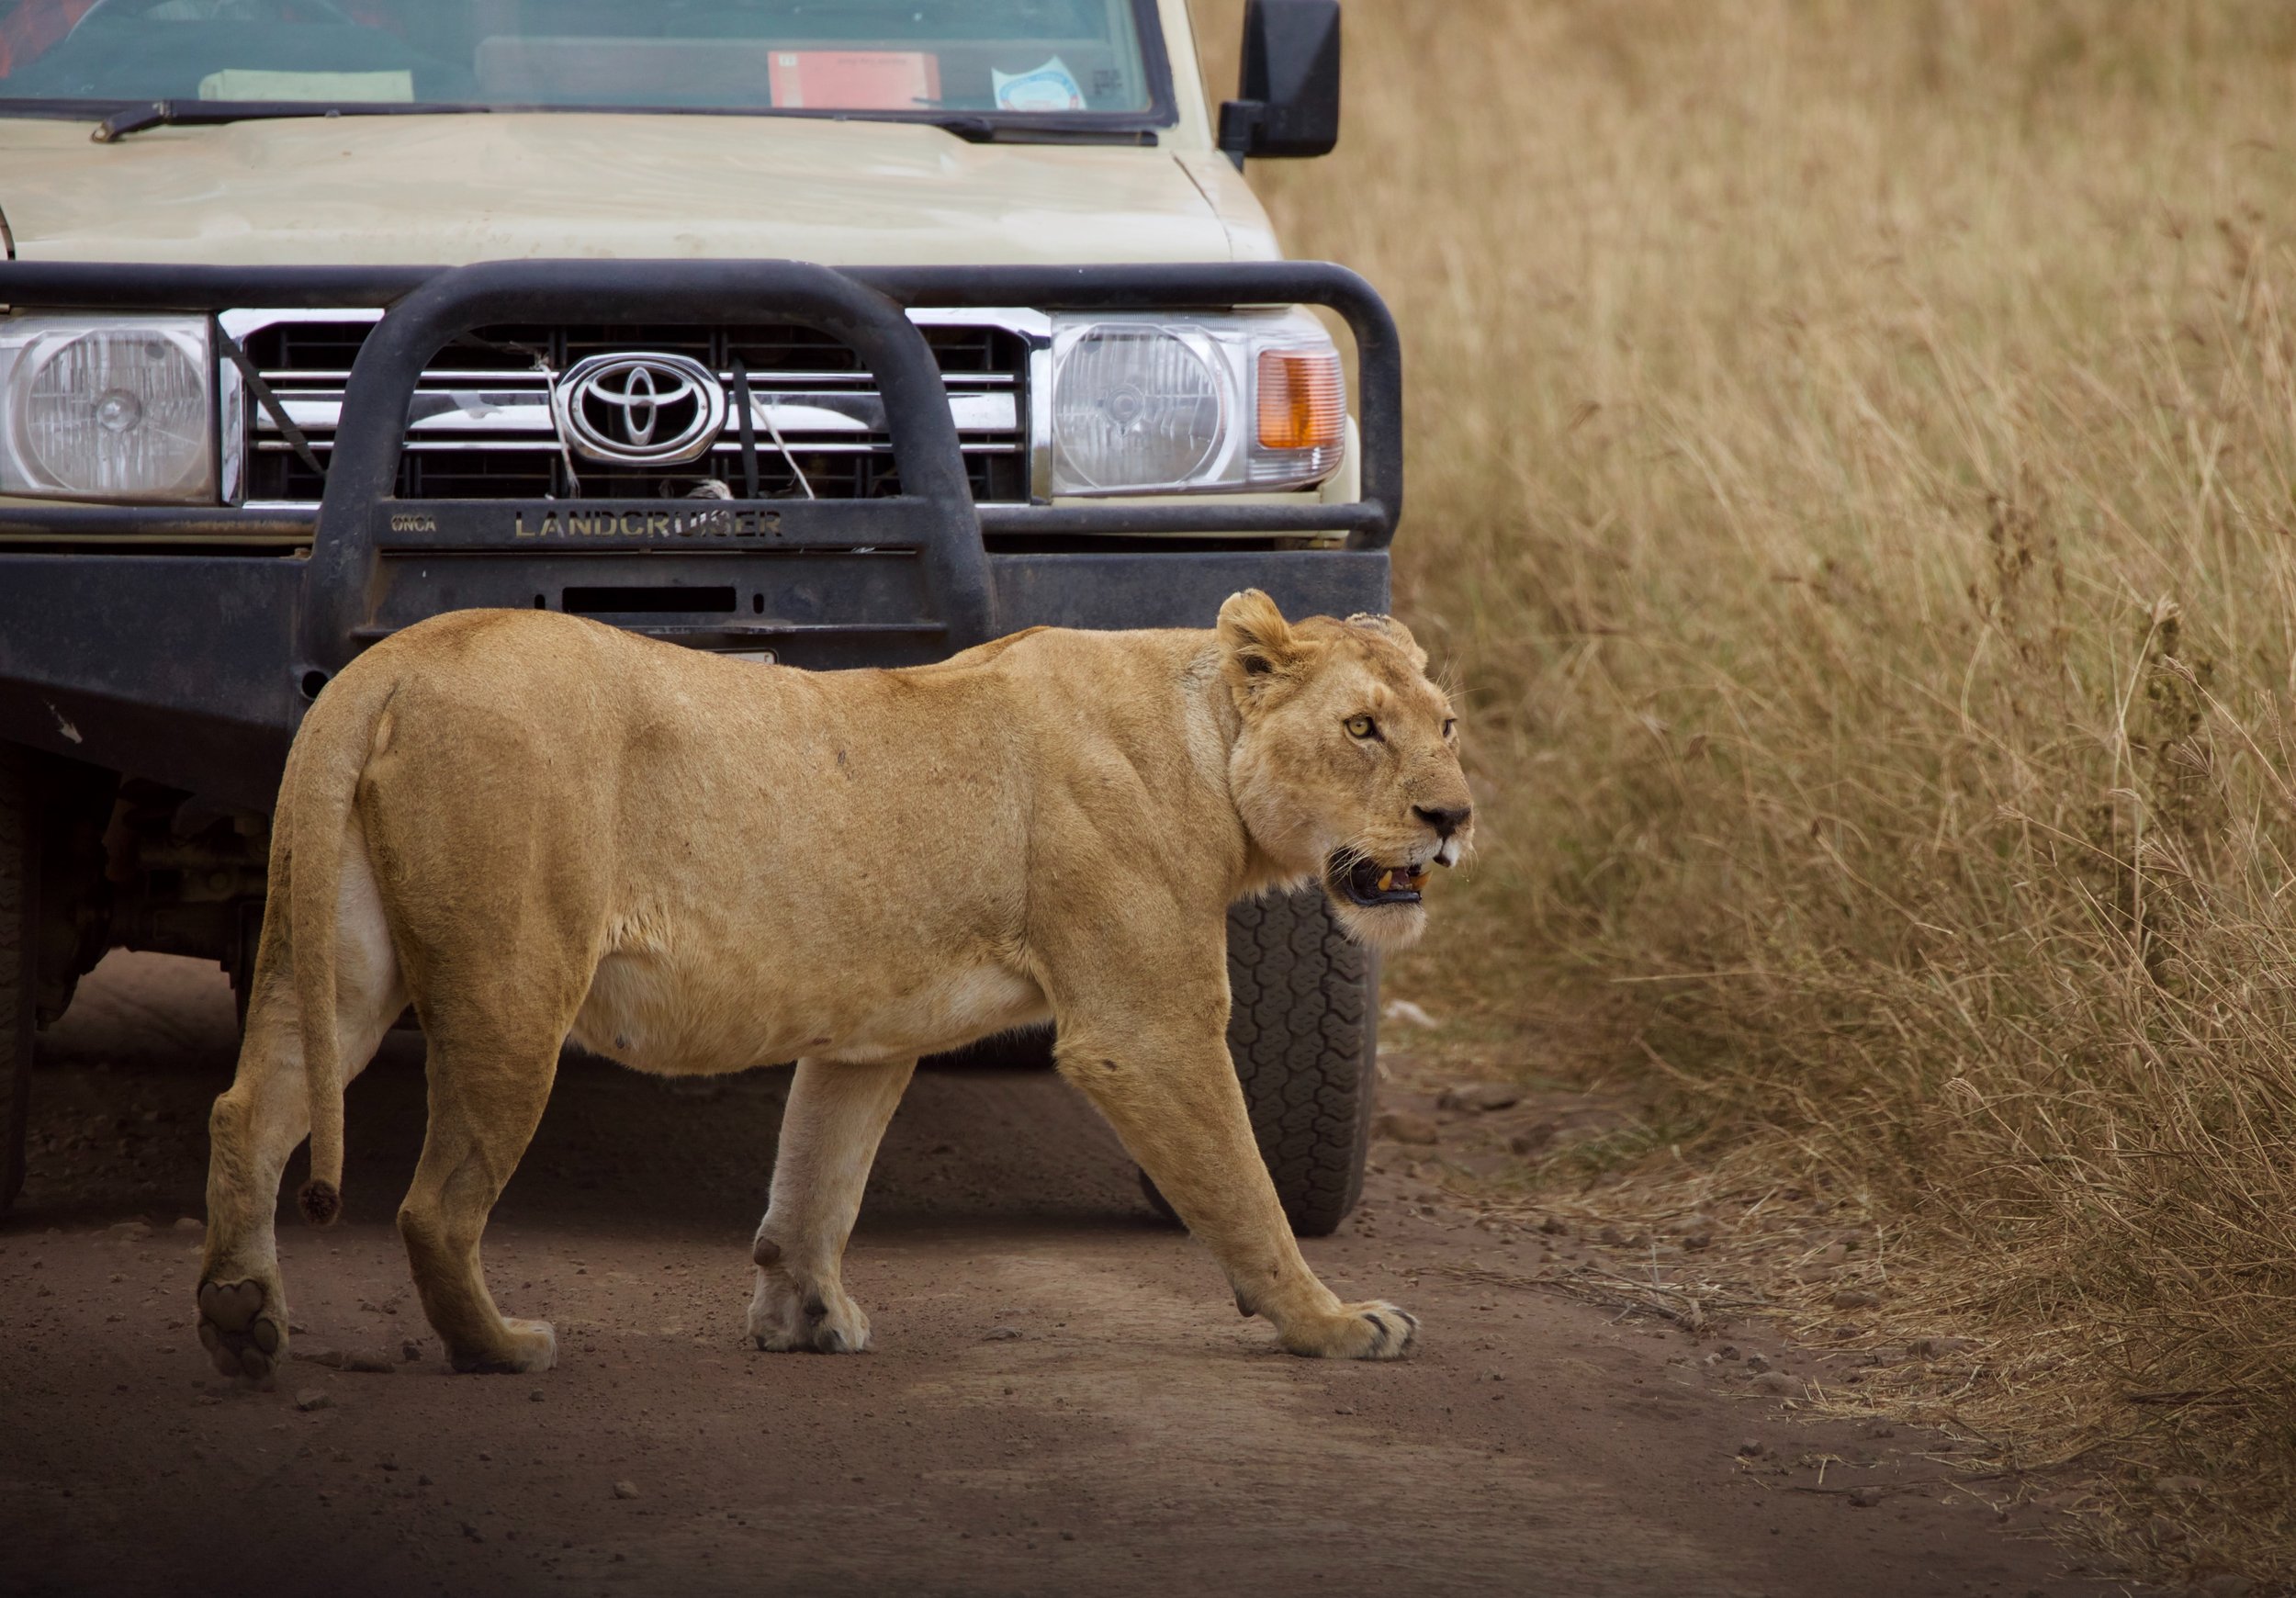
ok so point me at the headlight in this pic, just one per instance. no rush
(116, 408)
(1149, 404)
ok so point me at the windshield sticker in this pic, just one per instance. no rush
(354, 88)
(1050, 87)
(855, 80)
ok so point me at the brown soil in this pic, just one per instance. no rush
(1060, 1400)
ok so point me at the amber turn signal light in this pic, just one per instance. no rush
(1302, 403)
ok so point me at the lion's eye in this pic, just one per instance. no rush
(1363, 727)
(1450, 725)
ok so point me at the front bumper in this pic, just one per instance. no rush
(194, 668)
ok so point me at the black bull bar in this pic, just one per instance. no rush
(155, 642)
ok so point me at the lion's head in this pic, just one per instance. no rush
(1347, 766)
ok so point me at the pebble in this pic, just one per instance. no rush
(1478, 1097)
(1855, 1298)
(190, 1224)
(1402, 1009)
(312, 1398)
(1864, 1497)
(1553, 1226)
(1533, 1140)
(626, 1489)
(1752, 1448)
(1001, 1334)
(1778, 1384)
(336, 1359)
(2180, 1486)
(1406, 1126)
(1756, 1364)
(535, 1397)
(411, 1351)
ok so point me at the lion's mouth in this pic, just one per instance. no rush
(1367, 882)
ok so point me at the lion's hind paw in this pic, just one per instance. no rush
(240, 1328)
(525, 1348)
(785, 1319)
(1375, 1330)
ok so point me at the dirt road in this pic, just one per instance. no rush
(1062, 1399)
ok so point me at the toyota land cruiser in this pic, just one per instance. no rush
(835, 333)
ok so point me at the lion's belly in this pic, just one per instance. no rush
(646, 1011)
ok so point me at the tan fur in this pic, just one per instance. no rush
(536, 827)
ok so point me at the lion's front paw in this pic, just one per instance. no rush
(1377, 1330)
(527, 1347)
(787, 1315)
(242, 1326)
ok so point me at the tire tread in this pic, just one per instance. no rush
(1300, 1030)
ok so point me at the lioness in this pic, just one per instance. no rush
(534, 826)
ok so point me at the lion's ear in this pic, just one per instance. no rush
(1257, 640)
(1394, 632)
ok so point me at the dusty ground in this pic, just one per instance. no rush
(1062, 1399)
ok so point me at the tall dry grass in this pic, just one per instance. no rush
(1854, 466)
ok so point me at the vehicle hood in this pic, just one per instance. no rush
(450, 190)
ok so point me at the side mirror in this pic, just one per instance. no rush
(1287, 100)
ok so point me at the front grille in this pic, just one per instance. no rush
(480, 426)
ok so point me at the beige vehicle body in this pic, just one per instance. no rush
(452, 189)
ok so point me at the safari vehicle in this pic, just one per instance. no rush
(835, 333)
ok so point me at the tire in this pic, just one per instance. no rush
(1304, 1031)
(19, 967)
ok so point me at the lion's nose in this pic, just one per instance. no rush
(1445, 821)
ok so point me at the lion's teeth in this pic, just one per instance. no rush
(1386, 879)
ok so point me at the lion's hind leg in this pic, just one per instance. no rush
(257, 1123)
(252, 1130)
(837, 1116)
(488, 1086)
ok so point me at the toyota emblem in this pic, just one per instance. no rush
(639, 410)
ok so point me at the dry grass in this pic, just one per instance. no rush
(1854, 465)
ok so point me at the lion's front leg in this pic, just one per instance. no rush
(1164, 1080)
(836, 1115)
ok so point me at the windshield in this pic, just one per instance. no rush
(1017, 59)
